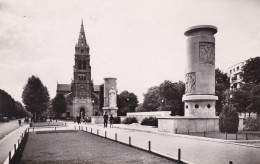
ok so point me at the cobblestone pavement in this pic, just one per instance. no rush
(192, 149)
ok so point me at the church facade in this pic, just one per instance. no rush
(83, 97)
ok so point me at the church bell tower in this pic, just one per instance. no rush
(82, 86)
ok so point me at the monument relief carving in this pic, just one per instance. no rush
(190, 83)
(207, 53)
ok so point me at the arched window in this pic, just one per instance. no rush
(84, 64)
(79, 64)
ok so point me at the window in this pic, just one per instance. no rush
(196, 106)
(79, 64)
(230, 71)
(237, 68)
(82, 51)
(234, 69)
(84, 64)
(208, 105)
(187, 106)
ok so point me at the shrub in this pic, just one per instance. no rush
(87, 119)
(228, 120)
(152, 121)
(117, 120)
(130, 120)
(252, 124)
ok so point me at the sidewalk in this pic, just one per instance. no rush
(192, 150)
(7, 143)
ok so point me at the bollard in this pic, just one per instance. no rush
(115, 136)
(204, 134)
(14, 148)
(129, 140)
(236, 139)
(149, 145)
(105, 134)
(179, 155)
(246, 137)
(9, 157)
(230, 162)
(226, 135)
(86, 129)
(97, 131)
(91, 130)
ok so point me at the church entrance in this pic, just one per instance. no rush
(81, 113)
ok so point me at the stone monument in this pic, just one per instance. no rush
(199, 95)
(199, 99)
(110, 94)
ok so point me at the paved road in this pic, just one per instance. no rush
(193, 150)
(8, 127)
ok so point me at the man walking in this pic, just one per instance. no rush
(105, 119)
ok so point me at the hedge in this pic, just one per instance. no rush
(130, 120)
(228, 120)
(151, 121)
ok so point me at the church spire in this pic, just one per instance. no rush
(82, 46)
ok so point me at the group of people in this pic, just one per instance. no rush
(111, 120)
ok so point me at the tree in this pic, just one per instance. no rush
(171, 97)
(251, 71)
(35, 96)
(222, 85)
(241, 98)
(152, 99)
(126, 102)
(255, 100)
(7, 104)
(59, 104)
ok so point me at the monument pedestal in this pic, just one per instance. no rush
(110, 110)
(180, 124)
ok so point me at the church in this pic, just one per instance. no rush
(83, 97)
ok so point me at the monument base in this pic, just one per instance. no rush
(192, 124)
(110, 110)
(97, 119)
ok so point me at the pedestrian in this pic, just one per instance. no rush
(105, 120)
(78, 119)
(19, 121)
(111, 120)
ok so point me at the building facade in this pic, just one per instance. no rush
(235, 75)
(82, 95)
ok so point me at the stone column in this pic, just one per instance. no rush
(199, 95)
(110, 96)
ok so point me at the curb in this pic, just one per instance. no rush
(234, 142)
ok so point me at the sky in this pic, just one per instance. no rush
(140, 42)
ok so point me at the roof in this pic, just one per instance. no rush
(63, 87)
(96, 88)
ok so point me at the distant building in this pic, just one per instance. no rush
(235, 75)
(83, 97)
